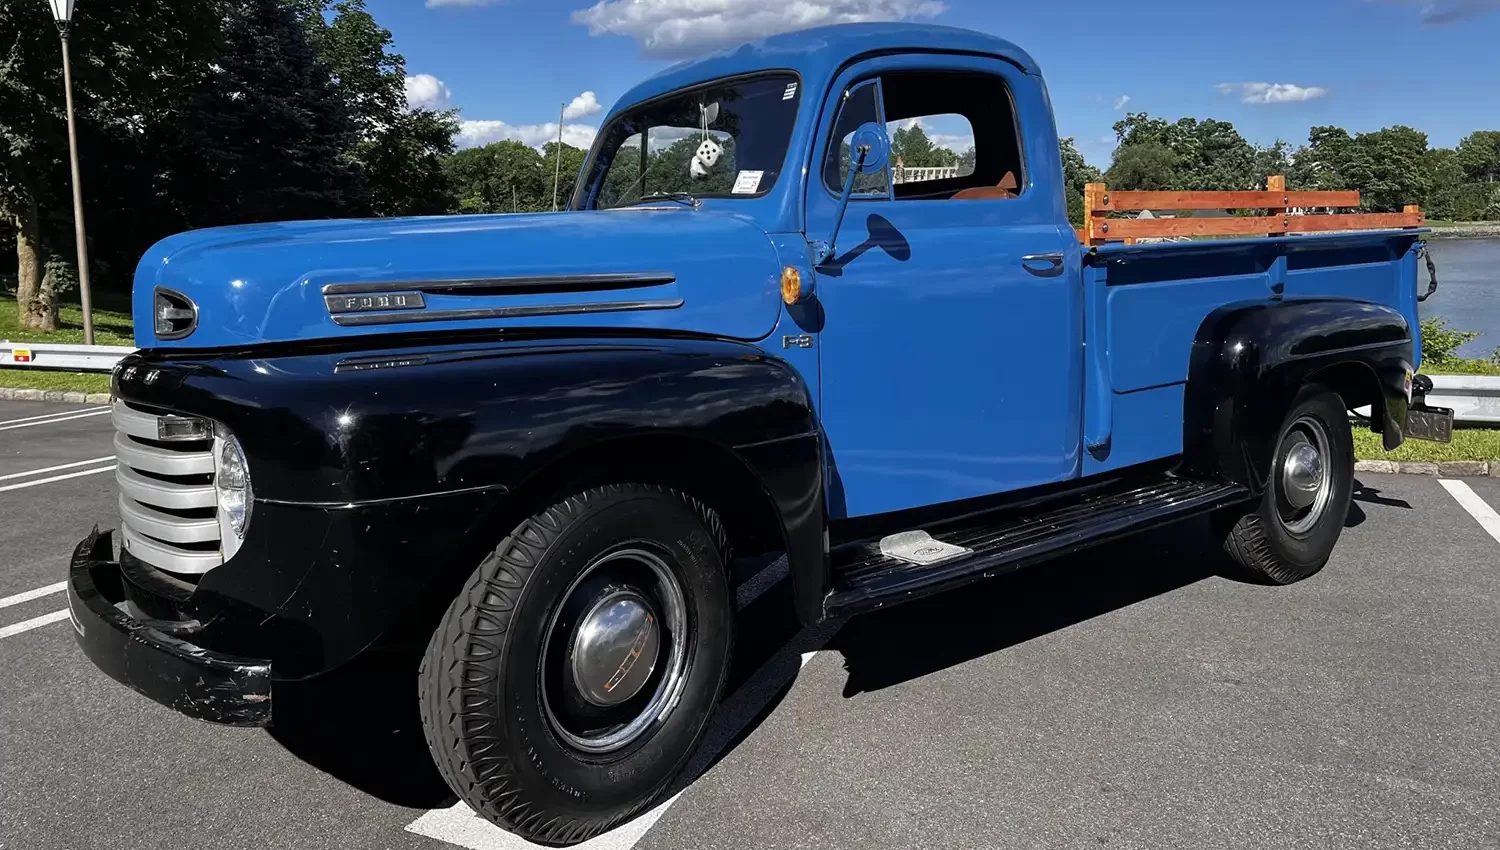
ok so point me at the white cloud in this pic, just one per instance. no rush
(584, 104)
(1272, 92)
(424, 91)
(1436, 13)
(1121, 101)
(677, 28)
(472, 134)
(434, 4)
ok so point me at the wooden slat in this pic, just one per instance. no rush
(1092, 195)
(1136, 201)
(1253, 225)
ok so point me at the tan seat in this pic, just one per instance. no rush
(1004, 191)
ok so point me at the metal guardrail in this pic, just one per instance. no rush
(1474, 398)
(56, 356)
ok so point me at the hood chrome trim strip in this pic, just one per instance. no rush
(563, 283)
(406, 318)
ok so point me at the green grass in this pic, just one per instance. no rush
(110, 327)
(37, 379)
(1468, 444)
(1457, 366)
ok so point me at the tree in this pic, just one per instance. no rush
(572, 165)
(915, 149)
(506, 176)
(397, 152)
(1207, 155)
(1077, 173)
(125, 56)
(1144, 166)
(1395, 177)
(263, 135)
(1478, 155)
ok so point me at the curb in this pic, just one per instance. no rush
(1447, 468)
(8, 394)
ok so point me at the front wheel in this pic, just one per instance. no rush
(1291, 533)
(572, 679)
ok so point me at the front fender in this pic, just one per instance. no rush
(376, 473)
(1249, 360)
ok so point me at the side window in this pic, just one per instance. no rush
(932, 147)
(954, 135)
(861, 106)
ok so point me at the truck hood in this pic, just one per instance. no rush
(672, 269)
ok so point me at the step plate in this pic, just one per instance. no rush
(874, 575)
(918, 547)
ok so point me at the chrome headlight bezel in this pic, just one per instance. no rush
(233, 490)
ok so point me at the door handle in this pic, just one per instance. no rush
(1052, 263)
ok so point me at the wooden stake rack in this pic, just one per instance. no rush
(1275, 202)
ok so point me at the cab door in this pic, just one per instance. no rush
(950, 352)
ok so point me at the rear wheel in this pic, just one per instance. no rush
(1291, 533)
(569, 683)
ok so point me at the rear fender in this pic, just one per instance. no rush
(1249, 360)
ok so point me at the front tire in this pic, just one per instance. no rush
(1291, 533)
(571, 680)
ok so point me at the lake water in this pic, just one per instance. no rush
(1468, 293)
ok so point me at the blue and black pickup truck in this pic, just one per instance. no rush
(533, 443)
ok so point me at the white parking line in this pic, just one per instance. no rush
(22, 423)
(58, 413)
(34, 623)
(33, 594)
(1477, 507)
(458, 825)
(32, 472)
(40, 481)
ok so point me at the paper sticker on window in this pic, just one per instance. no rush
(748, 183)
(791, 91)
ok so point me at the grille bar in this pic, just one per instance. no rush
(170, 523)
(162, 461)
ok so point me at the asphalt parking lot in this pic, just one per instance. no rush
(1129, 697)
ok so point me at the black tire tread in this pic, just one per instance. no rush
(451, 700)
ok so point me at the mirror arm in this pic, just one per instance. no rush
(824, 251)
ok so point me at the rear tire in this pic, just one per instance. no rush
(1291, 533)
(535, 717)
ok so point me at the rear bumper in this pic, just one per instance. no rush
(154, 657)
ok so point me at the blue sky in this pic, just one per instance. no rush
(1274, 69)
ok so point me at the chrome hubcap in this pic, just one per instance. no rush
(615, 658)
(1304, 487)
(615, 648)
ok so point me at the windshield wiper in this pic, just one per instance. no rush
(680, 197)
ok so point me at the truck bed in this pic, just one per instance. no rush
(1144, 304)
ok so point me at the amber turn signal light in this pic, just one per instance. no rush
(791, 285)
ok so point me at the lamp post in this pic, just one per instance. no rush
(62, 12)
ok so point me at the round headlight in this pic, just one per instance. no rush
(232, 482)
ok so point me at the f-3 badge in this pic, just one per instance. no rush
(803, 341)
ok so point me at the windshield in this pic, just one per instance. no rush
(722, 140)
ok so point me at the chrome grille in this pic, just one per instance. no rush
(168, 506)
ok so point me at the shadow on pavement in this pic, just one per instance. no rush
(360, 725)
(923, 637)
(1371, 496)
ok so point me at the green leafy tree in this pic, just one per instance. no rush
(1478, 154)
(397, 153)
(264, 135)
(1206, 155)
(1077, 173)
(127, 61)
(501, 177)
(1144, 166)
(566, 175)
(915, 149)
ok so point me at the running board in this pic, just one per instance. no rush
(905, 566)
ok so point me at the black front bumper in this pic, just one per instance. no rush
(142, 654)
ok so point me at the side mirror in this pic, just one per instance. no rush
(870, 152)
